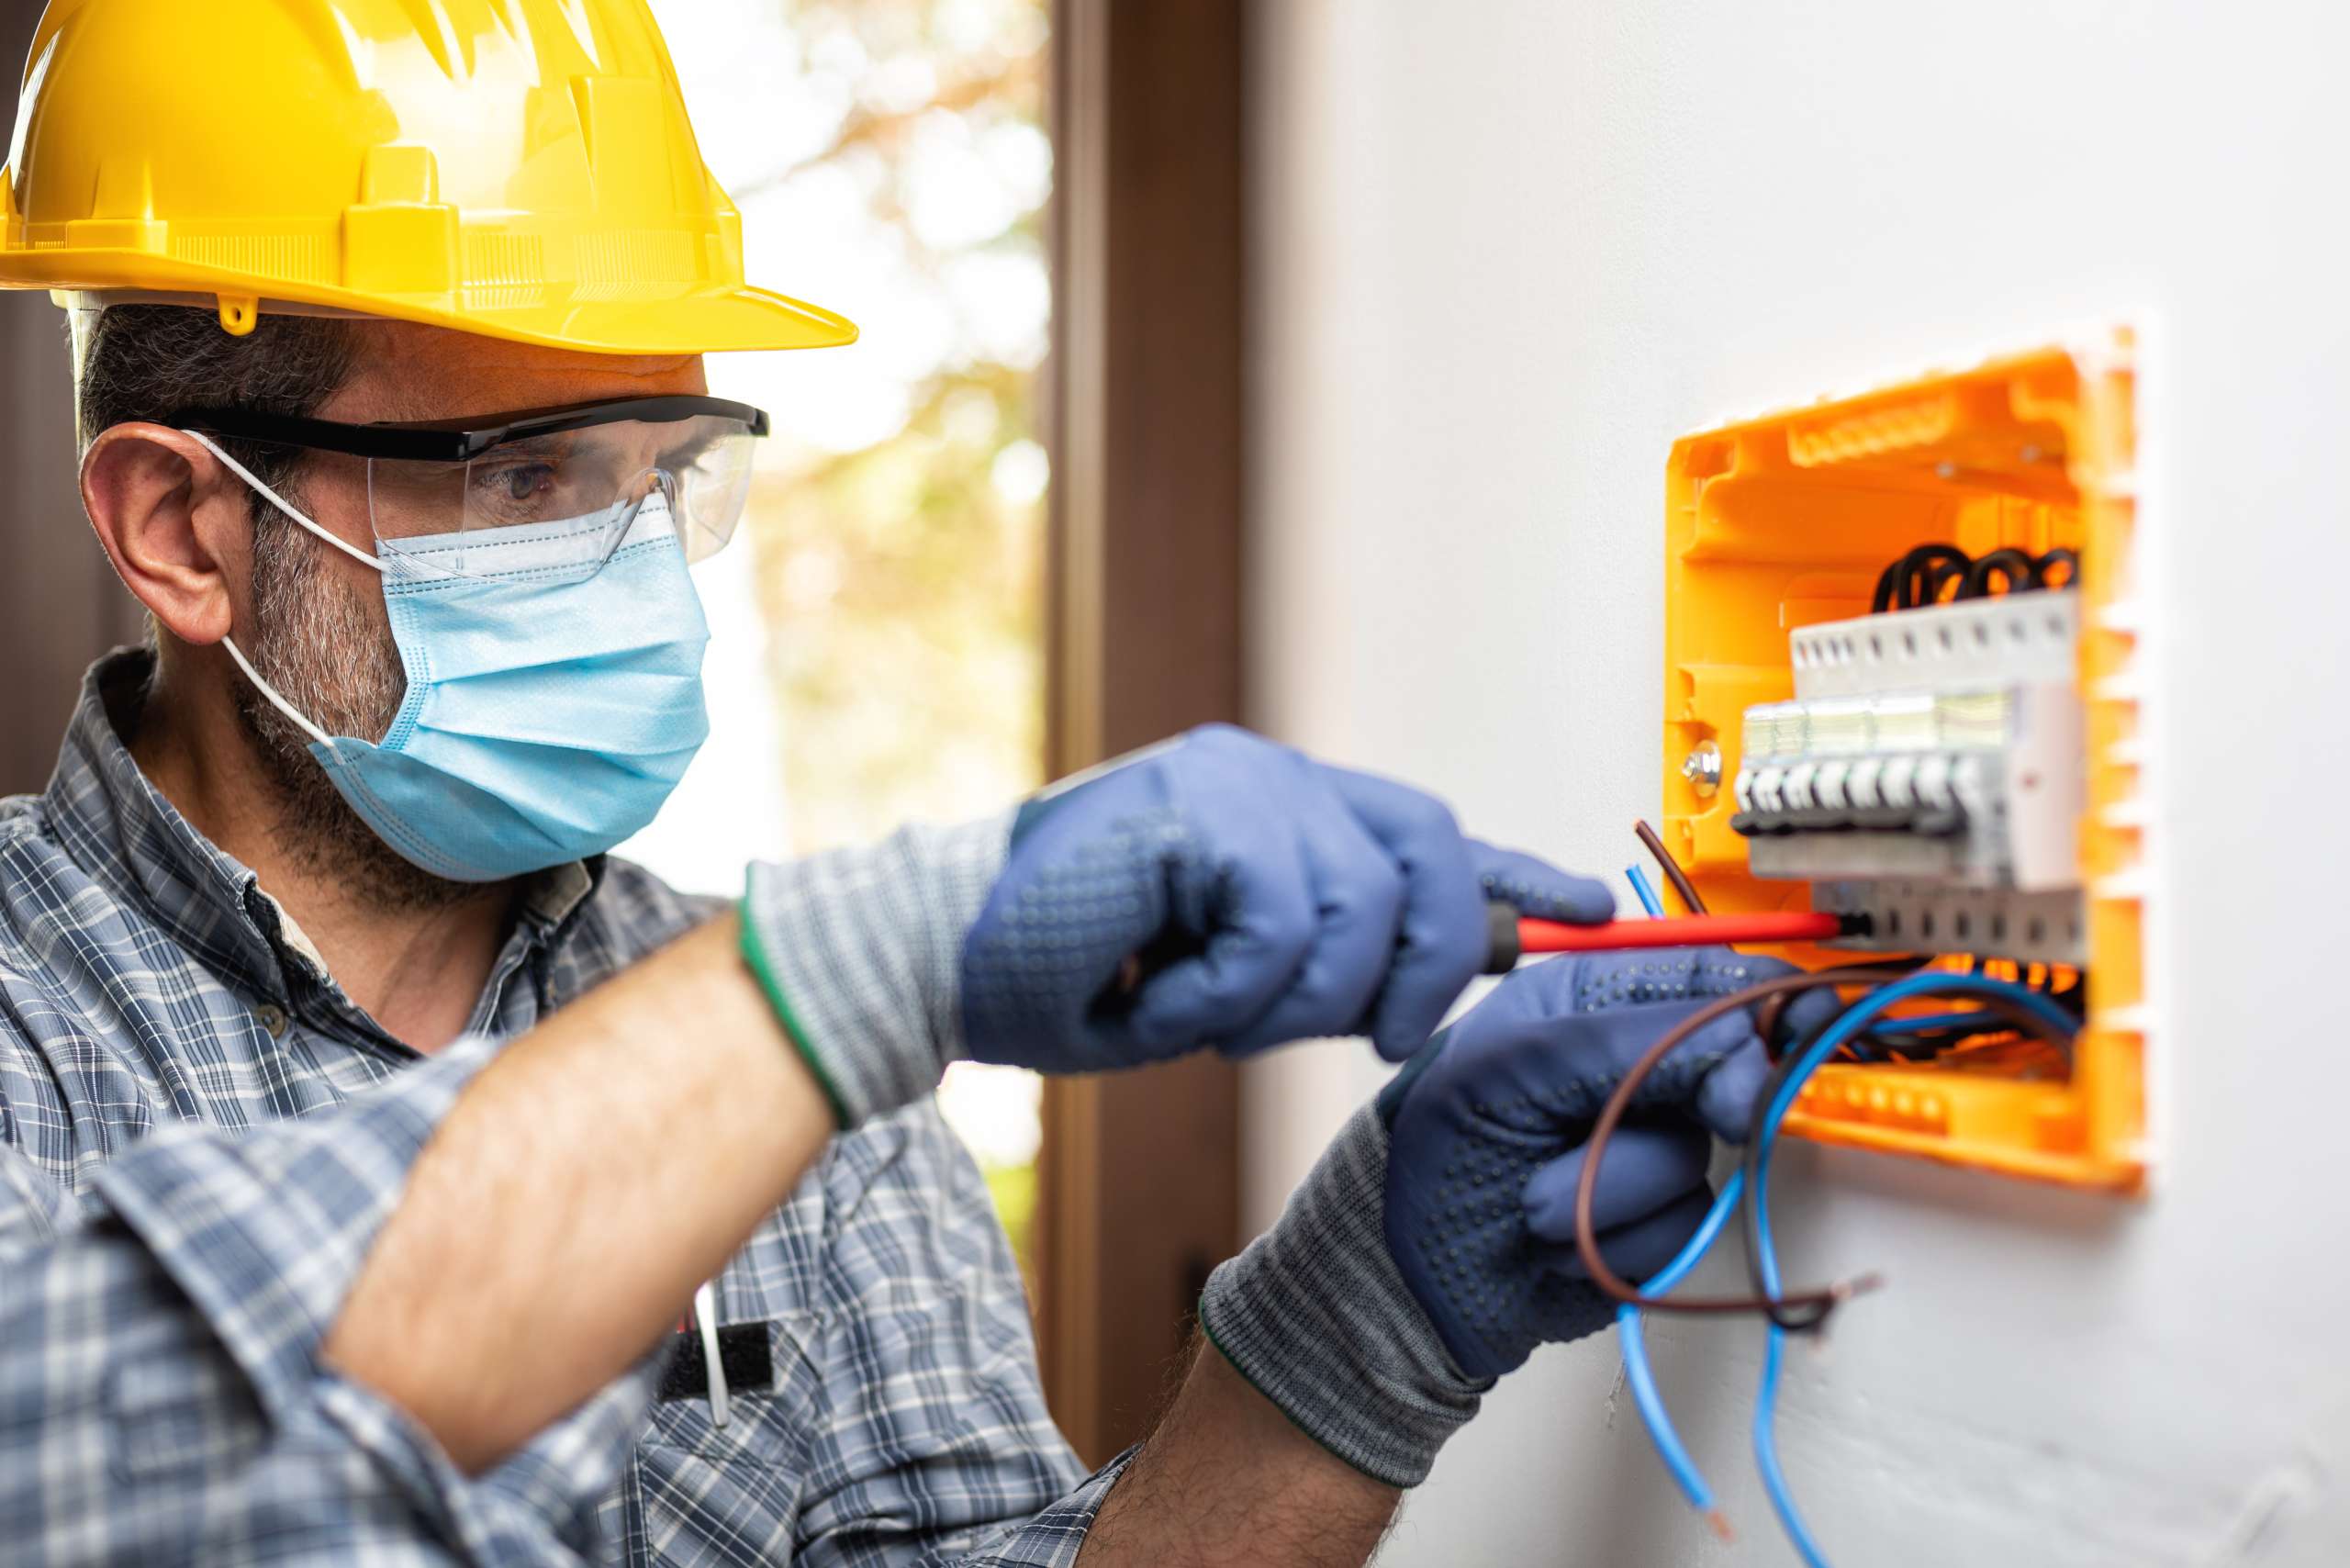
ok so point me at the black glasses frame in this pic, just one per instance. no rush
(457, 440)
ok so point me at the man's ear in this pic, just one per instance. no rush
(175, 523)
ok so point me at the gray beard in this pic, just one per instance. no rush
(330, 653)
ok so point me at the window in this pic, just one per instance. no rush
(876, 650)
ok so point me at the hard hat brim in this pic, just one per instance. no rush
(717, 321)
(716, 318)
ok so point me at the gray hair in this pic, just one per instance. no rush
(149, 362)
(328, 649)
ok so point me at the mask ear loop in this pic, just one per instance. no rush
(282, 504)
(276, 700)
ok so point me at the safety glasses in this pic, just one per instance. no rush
(560, 488)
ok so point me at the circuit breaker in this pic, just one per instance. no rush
(1926, 775)
(1903, 663)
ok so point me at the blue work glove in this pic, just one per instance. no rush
(1485, 1140)
(1433, 1247)
(1223, 890)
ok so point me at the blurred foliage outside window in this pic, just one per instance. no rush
(891, 163)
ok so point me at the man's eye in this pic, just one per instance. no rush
(521, 481)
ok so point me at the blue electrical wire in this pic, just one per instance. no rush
(1848, 1023)
(1928, 1022)
(1638, 1373)
(1641, 1378)
(1645, 892)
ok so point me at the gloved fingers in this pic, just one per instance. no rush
(1534, 886)
(1685, 1080)
(1647, 1167)
(1443, 935)
(1567, 1030)
(1725, 1101)
(1257, 919)
(1543, 996)
(1809, 1013)
(1643, 1246)
(1606, 981)
(1359, 896)
(1532, 1049)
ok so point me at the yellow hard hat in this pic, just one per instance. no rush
(521, 169)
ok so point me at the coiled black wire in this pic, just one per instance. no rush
(1918, 577)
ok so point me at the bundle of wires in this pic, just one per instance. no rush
(2002, 1007)
(1921, 577)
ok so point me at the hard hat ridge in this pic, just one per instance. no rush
(521, 169)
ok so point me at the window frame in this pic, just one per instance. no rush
(1138, 1177)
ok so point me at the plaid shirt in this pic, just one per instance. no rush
(199, 1136)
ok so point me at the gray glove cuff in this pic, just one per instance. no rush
(1314, 1315)
(860, 952)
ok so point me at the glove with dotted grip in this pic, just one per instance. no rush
(1486, 1129)
(1219, 890)
(1223, 890)
(1432, 1247)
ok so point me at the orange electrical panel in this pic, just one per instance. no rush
(1783, 522)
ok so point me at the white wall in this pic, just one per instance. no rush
(1505, 252)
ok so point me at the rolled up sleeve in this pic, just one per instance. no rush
(161, 1394)
(1054, 1537)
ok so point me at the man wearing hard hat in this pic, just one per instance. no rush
(385, 1172)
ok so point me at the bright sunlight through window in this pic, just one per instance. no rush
(876, 647)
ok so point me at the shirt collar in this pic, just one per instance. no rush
(120, 829)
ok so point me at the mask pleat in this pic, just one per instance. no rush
(555, 712)
(614, 713)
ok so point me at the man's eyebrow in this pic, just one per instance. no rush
(546, 444)
(693, 443)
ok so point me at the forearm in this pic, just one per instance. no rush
(589, 1179)
(1229, 1479)
(163, 1334)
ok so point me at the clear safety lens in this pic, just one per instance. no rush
(557, 506)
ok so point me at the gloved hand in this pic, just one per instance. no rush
(1433, 1247)
(1485, 1140)
(1217, 891)
(1223, 890)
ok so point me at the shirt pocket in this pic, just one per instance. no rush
(179, 1418)
(699, 1493)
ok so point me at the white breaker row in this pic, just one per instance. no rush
(1928, 775)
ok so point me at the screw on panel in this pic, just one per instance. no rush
(1703, 768)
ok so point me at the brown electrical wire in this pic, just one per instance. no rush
(1801, 1309)
(1774, 996)
(1809, 1316)
(1670, 867)
(1808, 1307)
(1611, 1116)
(1767, 1020)
(1767, 1016)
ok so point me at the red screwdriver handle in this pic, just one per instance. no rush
(1512, 937)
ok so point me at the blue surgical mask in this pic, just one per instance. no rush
(548, 715)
